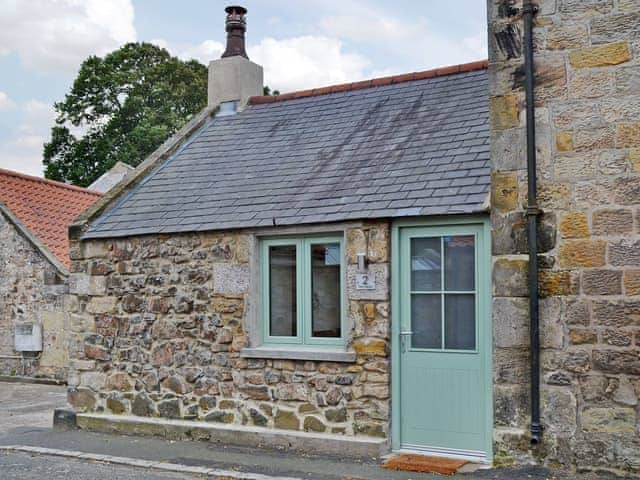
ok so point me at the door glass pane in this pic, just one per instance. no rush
(426, 322)
(459, 268)
(460, 322)
(282, 291)
(325, 290)
(425, 264)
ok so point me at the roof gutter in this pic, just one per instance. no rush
(529, 10)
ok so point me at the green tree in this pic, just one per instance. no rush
(124, 106)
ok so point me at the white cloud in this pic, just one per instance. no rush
(5, 102)
(306, 62)
(203, 52)
(23, 152)
(57, 35)
(289, 64)
(412, 39)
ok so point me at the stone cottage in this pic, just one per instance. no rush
(348, 267)
(35, 215)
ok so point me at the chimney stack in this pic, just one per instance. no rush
(233, 77)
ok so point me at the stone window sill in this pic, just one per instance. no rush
(297, 353)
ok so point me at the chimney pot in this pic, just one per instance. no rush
(233, 77)
(236, 26)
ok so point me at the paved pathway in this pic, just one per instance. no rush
(26, 413)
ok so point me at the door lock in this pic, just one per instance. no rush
(403, 340)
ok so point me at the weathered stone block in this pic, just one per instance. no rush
(582, 253)
(510, 405)
(627, 190)
(612, 221)
(617, 338)
(336, 415)
(370, 346)
(559, 410)
(313, 424)
(621, 26)
(81, 399)
(230, 279)
(609, 420)
(617, 361)
(569, 35)
(574, 225)
(504, 111)
(632, 282)
(628, 135)
(556, 283)
(581, 336)
(510, 322)
(504, 191)
(625, 253)
(616, 313)
(564, 141)
(510, 277)
(591, 83)
(587, 141)
(286, 420)
(102, 305)
(293, 391)
(634, 158)
(602, 282)
(220, 417)
(600, 56)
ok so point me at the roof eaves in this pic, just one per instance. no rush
(375, 82)
(31, 238)
(161, 154)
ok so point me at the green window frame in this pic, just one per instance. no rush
(304, 304)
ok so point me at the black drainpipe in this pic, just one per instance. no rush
(529, 11)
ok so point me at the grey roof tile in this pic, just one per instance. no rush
(412, 148)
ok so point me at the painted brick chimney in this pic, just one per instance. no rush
(234, 77)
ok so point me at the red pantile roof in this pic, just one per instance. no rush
(375, 82)
(45, 207)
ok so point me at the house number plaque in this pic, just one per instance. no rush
(365, 281)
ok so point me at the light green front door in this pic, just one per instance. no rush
(443, 340)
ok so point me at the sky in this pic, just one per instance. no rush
(300, 43)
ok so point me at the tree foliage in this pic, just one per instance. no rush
(121, 108)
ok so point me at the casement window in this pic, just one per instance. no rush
(303, 291)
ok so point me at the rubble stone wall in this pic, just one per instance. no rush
(158, 324)
(587, 60)
(31, 291)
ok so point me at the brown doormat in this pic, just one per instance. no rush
(424, 463)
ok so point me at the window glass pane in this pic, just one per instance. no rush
(425, 321)
(425, 264)
(460, 322)
(459, 268)
(325, 290)
(282, 291)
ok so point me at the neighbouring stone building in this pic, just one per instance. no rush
(34, 257)
(587, 60)
(351, 261)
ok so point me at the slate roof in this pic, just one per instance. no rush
(410, 145)
(45, 207)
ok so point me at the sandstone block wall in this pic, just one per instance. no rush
(31, 291)
(158, 324)
(587, 55)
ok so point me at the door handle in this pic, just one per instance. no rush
(403, 339)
